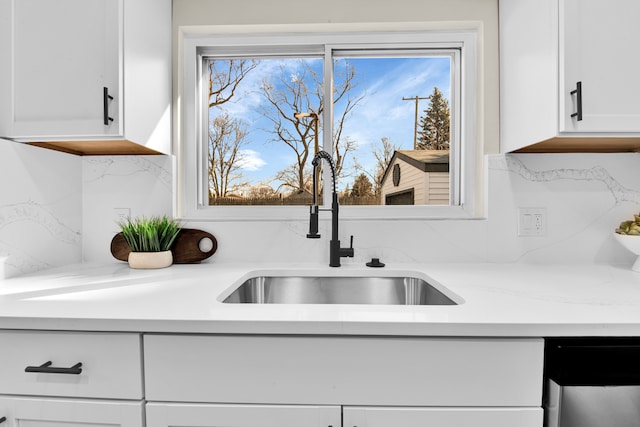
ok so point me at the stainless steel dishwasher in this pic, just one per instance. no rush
(592, 382)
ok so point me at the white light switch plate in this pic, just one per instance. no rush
(121, 214)
(532, 221)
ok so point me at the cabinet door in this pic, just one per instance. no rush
(193, 415)
(442, 417)
(64, 53)
(598, 47)
(32, 412)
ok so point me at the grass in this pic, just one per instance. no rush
(155, 234)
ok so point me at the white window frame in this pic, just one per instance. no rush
(192, 202)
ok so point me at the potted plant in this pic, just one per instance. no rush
(150, 240)
(628, 234)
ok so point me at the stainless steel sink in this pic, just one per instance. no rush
(337, 290)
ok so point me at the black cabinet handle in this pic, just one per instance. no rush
(46, 368)
(578, 93)
(3, 419)
(105, 105)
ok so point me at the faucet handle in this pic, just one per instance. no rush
(313, 223)
(347, 252)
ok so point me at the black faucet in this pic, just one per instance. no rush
(335, 251)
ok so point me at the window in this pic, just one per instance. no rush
(400, 121)
(259, 147)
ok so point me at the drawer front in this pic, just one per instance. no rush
(48, 412)
(441, 417)
(110, 364)
(203, 415)
(407, 371)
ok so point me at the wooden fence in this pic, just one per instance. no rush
(296, 200)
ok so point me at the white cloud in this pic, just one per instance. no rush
(383, 112)
(251, 160)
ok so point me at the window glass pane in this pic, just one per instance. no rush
(259, 152)
(392, 130)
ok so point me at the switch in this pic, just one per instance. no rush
(532, 221)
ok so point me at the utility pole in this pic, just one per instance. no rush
(415, 126)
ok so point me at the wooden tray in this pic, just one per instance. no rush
(185, 248)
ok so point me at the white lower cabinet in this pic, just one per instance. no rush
(43, 412)
(71, 364)
(344, 371)
(441, 417)
(203, 415)
(63, 379)
(322, 381)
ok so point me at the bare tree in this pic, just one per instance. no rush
(343, 145)
(225, 76)
(262, 191)
(226, 135)
(226, 138)
(303, 92)
(383, 155)
(290, 179)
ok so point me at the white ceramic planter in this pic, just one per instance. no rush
(150, 259)
(632, 243)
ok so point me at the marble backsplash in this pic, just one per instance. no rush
(585, 197)
(143, 184)
(57, 209)
(40, 209)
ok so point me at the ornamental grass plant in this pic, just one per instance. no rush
(154, 234)
(631, 227)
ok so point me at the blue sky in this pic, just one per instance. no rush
(382, 112)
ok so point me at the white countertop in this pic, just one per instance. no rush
(513, 300)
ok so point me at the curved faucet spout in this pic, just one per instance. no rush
(316, 162)
(335, 251)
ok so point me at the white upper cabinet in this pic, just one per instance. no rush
(599, 48)
(569, 75)
(61, 64)
(87, 76)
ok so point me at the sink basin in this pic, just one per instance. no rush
(337, 290)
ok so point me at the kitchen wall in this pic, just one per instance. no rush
(143, 185)
(585, 197)
(202, 16)
(58, 209)
(40, 209)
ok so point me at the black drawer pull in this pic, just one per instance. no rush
(3, 419)
(105, 105)
(578, 93)
(46, 368)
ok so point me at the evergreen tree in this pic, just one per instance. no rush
(435, 123)
(362, 187)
